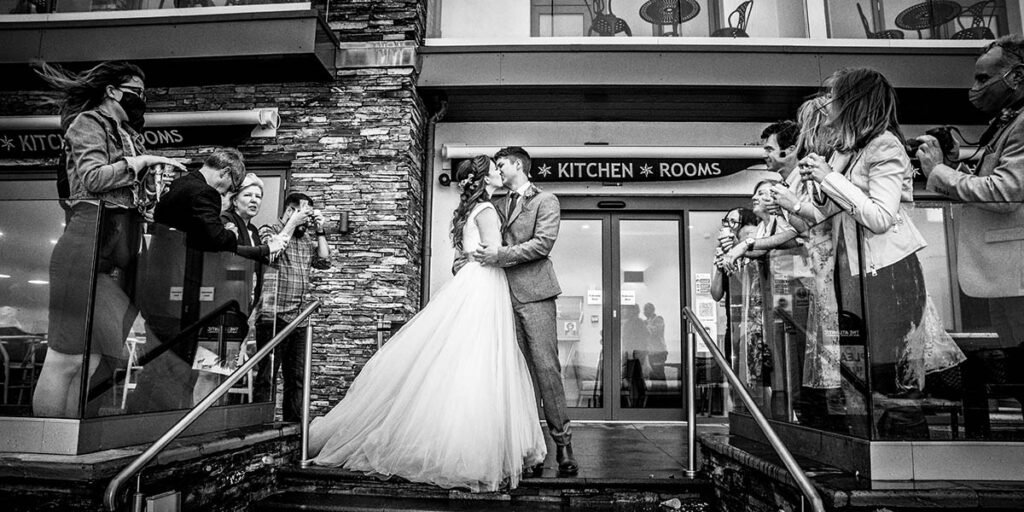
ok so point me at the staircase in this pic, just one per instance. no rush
(338, 490)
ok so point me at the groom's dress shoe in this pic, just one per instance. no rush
(567, 465)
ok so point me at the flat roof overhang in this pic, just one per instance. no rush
(749, 80)
(276, 42)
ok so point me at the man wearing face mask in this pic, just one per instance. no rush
(990, 238)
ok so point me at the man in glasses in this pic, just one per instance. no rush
(990, 229)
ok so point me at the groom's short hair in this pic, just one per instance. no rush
(516, 153)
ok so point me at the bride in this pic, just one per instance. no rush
(449, 399)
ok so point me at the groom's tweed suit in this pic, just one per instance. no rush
(528, 234)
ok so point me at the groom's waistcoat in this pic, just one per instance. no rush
(529, 233)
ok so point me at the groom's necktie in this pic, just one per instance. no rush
(513, 197)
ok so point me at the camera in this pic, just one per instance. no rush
(943, 134)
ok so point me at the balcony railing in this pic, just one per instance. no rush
(14, 7)
(722, 19)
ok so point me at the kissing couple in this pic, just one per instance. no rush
(449, 400)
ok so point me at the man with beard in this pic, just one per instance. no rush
(284, 288)
(990, 229)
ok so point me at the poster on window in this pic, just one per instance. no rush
(569, 315)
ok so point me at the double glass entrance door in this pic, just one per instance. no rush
(620, 331)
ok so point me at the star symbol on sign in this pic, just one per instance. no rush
(544, 170)
(646, 170)
(8, 144)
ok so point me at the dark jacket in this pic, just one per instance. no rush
(193, 207)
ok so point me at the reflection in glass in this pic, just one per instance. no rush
(577, 259)
(711, 395)
(650, 333)
(917, 19)
(488, 19)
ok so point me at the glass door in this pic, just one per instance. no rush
(619, 323)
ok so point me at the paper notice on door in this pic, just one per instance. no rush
(206, 294)
(628, 298)
(702, 283)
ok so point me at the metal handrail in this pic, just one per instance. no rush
(773, 439)
(110, 495)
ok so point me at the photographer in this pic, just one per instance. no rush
(284, 288)
(990, 250)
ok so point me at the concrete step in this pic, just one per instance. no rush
(316, 502)
(334, 489)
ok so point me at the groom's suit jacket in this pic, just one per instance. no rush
(529, 233)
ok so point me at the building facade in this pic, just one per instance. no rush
(644, 118)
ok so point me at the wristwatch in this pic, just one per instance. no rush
(750, 244)
(321, 233)
(798, 206)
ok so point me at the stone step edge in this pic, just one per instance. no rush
(316, 473)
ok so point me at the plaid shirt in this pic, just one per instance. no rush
(287, 278)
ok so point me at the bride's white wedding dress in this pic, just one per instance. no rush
(449, 399)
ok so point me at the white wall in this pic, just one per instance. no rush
(485, 19)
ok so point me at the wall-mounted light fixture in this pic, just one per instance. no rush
(629, 276)
(343, 223)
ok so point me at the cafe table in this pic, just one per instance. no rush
(930, 14)
(669, 12)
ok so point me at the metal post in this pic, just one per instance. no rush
(308, 379)
(138, 499)
(787, 376)
(691, 407)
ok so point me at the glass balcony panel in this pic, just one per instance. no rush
(192, 329)
(492, 19)
(918, 19)
(121, 309)
(67, 6)
(30, 230)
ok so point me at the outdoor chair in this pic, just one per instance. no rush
(881, 34)
(981, 14)
(739, 29)
(607, 24)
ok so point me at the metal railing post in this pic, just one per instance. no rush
(798, 474)
(308, 379)
(110, 495)
(691, 407)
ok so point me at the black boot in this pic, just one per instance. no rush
(567, 465)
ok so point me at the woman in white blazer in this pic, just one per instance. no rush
(869, 183)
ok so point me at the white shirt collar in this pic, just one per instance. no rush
(522, 189)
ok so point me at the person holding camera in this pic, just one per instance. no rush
(284, 287)
(989, 261)
(990, 246)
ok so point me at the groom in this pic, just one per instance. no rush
(529, 227)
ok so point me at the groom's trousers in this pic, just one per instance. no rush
(536, 333)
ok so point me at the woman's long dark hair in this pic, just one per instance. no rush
(747, 216)
(84, 91)
(864, 107)
(470, 177)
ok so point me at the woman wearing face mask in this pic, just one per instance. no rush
(101, 113)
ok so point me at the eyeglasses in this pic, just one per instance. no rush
(730, 223)
(138, 91)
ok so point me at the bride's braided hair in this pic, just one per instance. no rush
(470, 177)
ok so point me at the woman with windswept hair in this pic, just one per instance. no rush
(101, 113)
(820, 402)
(869, 183)
(449, 399)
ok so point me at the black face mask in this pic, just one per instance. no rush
(135, 108)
